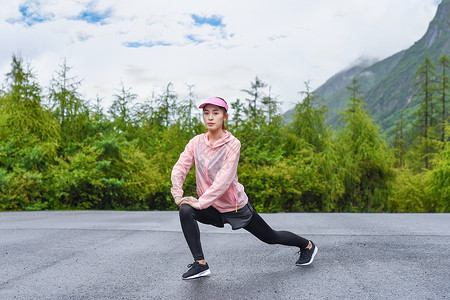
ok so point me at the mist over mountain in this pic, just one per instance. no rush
(388, 86)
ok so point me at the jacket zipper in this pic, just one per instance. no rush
(234, 195)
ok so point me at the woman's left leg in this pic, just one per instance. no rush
(259, 228)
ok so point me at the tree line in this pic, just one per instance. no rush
(61, 151)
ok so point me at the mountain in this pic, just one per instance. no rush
(368, 77)
(388, 86)
(335, 83)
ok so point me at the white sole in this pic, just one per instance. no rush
(201, 274)
(312, 258)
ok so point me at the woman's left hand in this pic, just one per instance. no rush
(191, 201)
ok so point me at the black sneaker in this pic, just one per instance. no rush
(307, 255)
(196, 270)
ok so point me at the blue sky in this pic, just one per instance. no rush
(213, 20)
(217, 46)
(93, 16)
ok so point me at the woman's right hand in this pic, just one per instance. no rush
(192, 201)
(178, 200)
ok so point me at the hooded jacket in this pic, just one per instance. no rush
(215, 172)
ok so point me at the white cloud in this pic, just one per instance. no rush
(284, 43)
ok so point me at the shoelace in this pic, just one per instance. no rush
(193, 264)
(302, 253)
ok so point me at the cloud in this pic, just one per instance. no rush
(218, 46)
(277, 37)
(82, 36)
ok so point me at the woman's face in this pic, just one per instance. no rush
(213, 116)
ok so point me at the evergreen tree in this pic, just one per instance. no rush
(309, 120)
(97, 109)
(28, 139)
(97, 125)
(365, 162)
(399, 142)
(444, 63)
(28, 134)
(121, 109)
(238, 110)
(189, 118)
(166, 102)
(67, 106)
(354, 88)
(23, 86)
(438, 179)
(146, 113)
(424, 80)
(255, 96)
(308, 146)
(270, 106)
(262, 141)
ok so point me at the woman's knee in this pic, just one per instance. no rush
(186, 212)
(260, 229)
(270, 239)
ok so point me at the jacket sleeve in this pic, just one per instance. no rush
(224, 177)
(181, 169)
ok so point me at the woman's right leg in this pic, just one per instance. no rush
(191, 231)
(188, 219)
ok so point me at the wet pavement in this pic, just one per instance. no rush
(142, 255)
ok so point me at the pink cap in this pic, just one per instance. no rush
(216, 101)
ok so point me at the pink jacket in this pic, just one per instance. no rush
(215, 172)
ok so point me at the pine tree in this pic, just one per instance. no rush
(438, 179)
(270, 106)
(23, 86)
(189, 117)
(68, 108)
(354, 88)
(238, 110)
(28, 134)
(166, 103)
(424, 80)
(256, 95)
(146, 113)
(399, 142)
(444, 63)
(121, 109)
(365, 162)
(309, 120)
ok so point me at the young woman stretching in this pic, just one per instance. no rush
(221, 197)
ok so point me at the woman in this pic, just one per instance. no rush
(221, 197)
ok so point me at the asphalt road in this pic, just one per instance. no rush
(142, 255)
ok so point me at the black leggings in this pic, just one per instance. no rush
(257, 226)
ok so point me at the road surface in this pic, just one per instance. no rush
(142, 255)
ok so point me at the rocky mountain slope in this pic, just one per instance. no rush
(388, 86)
